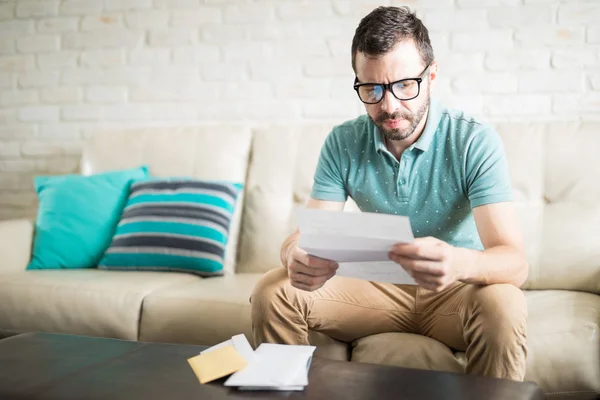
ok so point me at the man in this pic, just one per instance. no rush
(448, 173)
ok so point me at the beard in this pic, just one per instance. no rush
(398, 133)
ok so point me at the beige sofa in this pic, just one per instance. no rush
(556, 178)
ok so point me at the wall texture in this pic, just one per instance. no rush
(70, 67)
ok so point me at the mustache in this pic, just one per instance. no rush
(398, 114)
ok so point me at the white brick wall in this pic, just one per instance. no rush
(36, 8)
(70, 67)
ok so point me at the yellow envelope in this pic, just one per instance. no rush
(217, 363)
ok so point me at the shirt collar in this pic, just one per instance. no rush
(378, 138)
(434, 117)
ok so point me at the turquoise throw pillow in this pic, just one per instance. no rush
(77, 216)
(176, 224)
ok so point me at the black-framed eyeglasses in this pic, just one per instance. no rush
(404, 89)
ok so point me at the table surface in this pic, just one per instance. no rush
(55, 366)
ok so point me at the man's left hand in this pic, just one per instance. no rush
(429, 261)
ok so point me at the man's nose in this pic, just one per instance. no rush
(389, 103)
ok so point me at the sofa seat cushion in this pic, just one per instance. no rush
(85, 302)
(407, 350)
(206, 311)
(328, 347)
(564, 342)
(563, 345)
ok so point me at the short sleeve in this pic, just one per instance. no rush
(329, 184)
(487, 175)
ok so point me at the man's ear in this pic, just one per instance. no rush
(433, 73)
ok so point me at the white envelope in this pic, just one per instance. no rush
(240, 343)
(276, 367)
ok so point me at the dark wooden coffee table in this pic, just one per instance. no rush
(52, 366)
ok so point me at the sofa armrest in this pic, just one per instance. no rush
(16, 237)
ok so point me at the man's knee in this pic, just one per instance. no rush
(269, 288)
(502, 310)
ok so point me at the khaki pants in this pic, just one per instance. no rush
(488, 322)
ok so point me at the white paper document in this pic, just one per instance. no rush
(358, 241)
(277, 367)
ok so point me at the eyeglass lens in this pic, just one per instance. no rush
(404, 90)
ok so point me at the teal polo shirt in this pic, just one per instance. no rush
(456, 165)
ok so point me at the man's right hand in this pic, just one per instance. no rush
(308, 272)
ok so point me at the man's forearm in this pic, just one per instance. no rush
(500, 264)
(292, 240)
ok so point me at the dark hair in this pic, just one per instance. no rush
(383, 27)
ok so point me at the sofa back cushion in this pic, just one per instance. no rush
(570, 253)
(218, 153)
(555, 174)
(280, 178)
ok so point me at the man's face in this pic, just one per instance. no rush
(395, 118)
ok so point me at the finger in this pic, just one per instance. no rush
(307, 279)
(317, 272)
(432, 268)
(425, 250)
(429, 279)
(300, 285)
(304, 286)
(431, 283)
(310, 281)
(313, 261)
(426, 284)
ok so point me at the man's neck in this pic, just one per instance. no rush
(397, 147)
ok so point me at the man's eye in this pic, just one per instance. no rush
(375, 92)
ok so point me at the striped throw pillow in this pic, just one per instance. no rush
(174, 225)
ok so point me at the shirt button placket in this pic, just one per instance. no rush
(403, 179)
